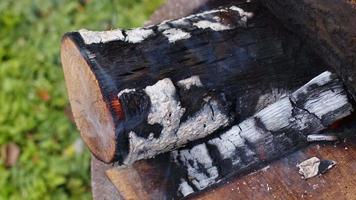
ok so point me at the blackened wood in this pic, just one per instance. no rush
(281, 180)
(252, 62)
(162, 116)
(102, 188)
(328, 26)
(276, 130)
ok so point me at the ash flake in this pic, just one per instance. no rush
(174, 34)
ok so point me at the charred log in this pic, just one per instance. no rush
(272, 132)
(244, 59)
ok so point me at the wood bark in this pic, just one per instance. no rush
(244, 59)
(328, 26)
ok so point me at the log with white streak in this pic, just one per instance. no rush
(242, 70)
(270, 133)
(211, 20)
(167, 111)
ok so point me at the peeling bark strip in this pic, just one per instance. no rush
(164, 110)
(275, 130)
(241, 61)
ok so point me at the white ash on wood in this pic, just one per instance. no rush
(237, 67)
(205, 20)
(275, 130)
(266, 97)
(166, 111)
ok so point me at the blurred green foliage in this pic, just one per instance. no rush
(33, 97)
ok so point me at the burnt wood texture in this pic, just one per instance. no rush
(233, 60)
(153, 173)
(328, 26)
(281, 180)
(276, 130)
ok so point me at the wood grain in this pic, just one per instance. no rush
(90, 112)
(102, 187)
(145, 179)
(132, 190)
(281, 179)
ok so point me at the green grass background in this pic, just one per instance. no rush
(33, 97)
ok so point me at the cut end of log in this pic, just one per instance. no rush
(91, 113)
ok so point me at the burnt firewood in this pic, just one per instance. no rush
(328, 26)
(272, 132)
(118, 80)
(157, 121)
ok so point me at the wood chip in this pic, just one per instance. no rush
(314, 166)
